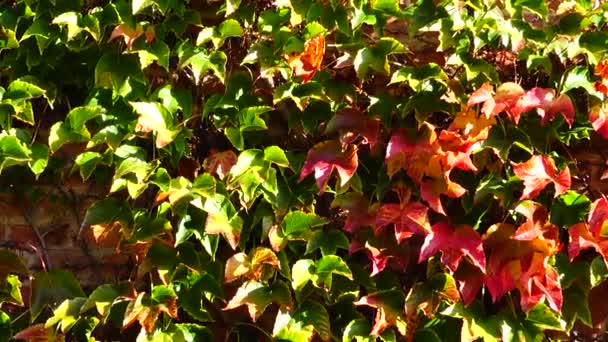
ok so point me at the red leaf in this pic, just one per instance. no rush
(536, 218)
(470, 280)
(307, 63)
(327, 155)
(483, 94)
(547, 106)
(522, 265)
(379, 258)
(581, 239)
(506, 97)
(538, 172)
(599, 120)
(38, 333)
(408, 219)
(220, 163)
(598, 217)
(352, 123)
(454, 243)
(583, 236)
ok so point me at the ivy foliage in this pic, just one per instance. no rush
(460, 207)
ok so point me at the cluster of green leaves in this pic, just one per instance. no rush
(203, 120)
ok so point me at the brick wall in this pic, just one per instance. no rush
(45, 226)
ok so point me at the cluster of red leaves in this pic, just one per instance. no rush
(428, 158)
(514, 100)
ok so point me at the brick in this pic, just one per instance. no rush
(22, 234)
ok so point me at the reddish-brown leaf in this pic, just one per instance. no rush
(326, 156)
(359, 211)
(454, 243)
(540, 171)
(546, 105)
(130, 34)
(351, 123)
(220, 163)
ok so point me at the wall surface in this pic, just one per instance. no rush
(43, 227)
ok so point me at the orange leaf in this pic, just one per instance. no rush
(307, 63)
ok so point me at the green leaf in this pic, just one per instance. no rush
(417, 77)
(67, 314)
(596, 42)
(358, 329)
(570, 208)
(232, 6)
(575, 306)
(87, 162)
(275, 154)
(139, 5)
(301, 273)
(228, 28)
(299, 325)
(376, 57)
(543, 317)
(6, 332)
(70, 20)
(106, 210)
(235, 136)
(24, 88)
(201, 63)
(51, 288)
(386, 6)
(578, 77)
(327, 241)
(103, 297)
(78, 116)
(297, 222)
(599, 271)
(157, 52)
(10, 290)
(40, 158)
(328, 266)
